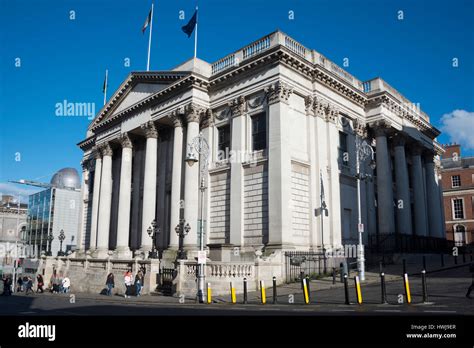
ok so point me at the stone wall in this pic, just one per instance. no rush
(220, 208)
(300, 203)
(255, 205)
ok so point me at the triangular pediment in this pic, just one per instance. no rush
(137, 87)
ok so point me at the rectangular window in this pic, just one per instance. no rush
(223, 142)
(458, 209)
(259, 132)
(343, 153)
(456, 181)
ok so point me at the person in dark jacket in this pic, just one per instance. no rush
(40, 281)
(29, 286)
(110, 283)
(20, 284)
(7, 286)
(471, 269)
(138, 283)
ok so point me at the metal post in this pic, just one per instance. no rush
(341, 270)
(309, 288)
(424, 262)
(423, 281)
(346, 290)
(245, 290)
(274, 290)
(334, 275)
(360, 249)
(384, 289)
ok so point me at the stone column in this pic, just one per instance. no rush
(239, 109)
(432, 194)
(105, 205)
(384, 182)
(314, 179)
(125, 198)
(191, 180)
(176, 203)
(403, 188)
(419, 202)
(279, 167)
(83, 207)
(149, 184)
(95, 199)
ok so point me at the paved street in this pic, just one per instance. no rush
(446, 290)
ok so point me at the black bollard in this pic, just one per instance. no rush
(346, 290)
(334, 275)
(383, 288)
(442, 260)
(341, 271)
(245, 290)
(423, 284)
(424, 262)
(274, 290)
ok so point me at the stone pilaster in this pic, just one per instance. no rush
(149, 185)
(105, 202)
(403, 208)
(95, 198)
(125, 197)
(83, 206)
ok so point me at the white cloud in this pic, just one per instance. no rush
(459, 126)
(16, 190)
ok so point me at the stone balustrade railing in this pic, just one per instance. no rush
(217, 271)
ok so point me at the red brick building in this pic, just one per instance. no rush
(458, 194)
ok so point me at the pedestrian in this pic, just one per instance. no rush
(19, 283)
(40, 282)
(29, 285)
(110, 283)
(471, 269)
(54, 283)
(66, 284)
(128, 283)
(138, 283)
(7, 286)
(60, 283)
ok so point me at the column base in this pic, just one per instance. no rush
(101, 253)
(123, 253)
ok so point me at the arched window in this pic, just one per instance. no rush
(459, 235)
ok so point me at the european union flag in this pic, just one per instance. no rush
(189, 28)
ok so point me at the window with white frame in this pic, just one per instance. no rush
(456, 181)
(458, 208)
(460, 235)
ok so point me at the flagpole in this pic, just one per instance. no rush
(105, 87)
(149, 39)
(196, 34)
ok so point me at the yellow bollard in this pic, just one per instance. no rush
(262, 292)
(305, 291)
(358, 291)
(209, 293)
(232, 293)
(407, 288)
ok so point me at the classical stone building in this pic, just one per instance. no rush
(281, 122)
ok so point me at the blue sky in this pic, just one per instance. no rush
(64, 59)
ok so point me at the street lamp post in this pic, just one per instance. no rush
(61, 238)
(363, 151)
(153, 231)
(182, 230)
(201, 146)
(50, 240)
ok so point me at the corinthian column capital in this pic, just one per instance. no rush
(381, 128)
(238, 106)
(177, 118)
(309, 105)
(106, 149)
(319, 105)
(360, 128)
(332, 112)
(150, 129)
(125, 141)
(279, 92)
(193, 112)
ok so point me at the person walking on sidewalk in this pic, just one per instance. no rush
(128, 283)
(110, 283)
(471, 269)
(40, 285)
(138, 283)
(29, 286)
